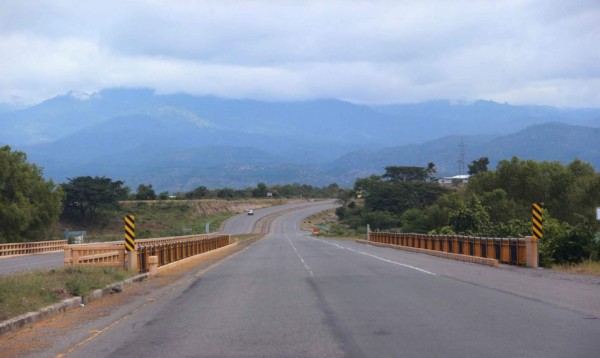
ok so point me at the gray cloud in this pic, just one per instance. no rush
(363, 51)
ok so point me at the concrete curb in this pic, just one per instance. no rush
(446, 255)
(16, 323)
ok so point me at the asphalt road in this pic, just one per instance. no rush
(239, 224)
(290, 295)
(47, 261)
(244, 223)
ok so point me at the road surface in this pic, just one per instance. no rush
(239, 224)
(291, 295)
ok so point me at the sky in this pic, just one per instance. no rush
(373, 52)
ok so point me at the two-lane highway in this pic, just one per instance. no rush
(239, 224)
(295, 296)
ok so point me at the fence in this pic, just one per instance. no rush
(27, 248)
(168, 250)
(102, 254)
(513, 251)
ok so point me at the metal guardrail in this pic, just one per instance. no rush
(506, 250)
(169, 250)
(27, 248)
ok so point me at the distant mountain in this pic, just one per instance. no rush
(543, 142)
(440, 118)
(181, 141)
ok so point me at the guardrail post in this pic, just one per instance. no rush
(531, 252)
(132, 261)
(152, 265)
(68, 261)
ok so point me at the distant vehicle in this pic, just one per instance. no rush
(250, 212)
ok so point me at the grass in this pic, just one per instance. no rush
(332, 228)
(31, 291)
(154, 219)
(587, 267)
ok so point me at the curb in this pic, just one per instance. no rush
(447, 255)
(16, 323)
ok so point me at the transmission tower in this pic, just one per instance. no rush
(461, 158)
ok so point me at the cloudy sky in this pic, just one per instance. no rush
(521, 52)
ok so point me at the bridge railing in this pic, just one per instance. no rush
(513, 251)
(98, 254)
(167, 249)
(27, 248)
(173, 249)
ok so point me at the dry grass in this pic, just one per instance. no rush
(26, 292)
(332, 226)
(587, 267)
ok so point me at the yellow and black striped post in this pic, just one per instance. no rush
(129, 232)
(537, 220)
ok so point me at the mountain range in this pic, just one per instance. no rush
(179, 141)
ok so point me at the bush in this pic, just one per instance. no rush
(563, 243)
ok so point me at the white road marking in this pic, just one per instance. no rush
(371, 255)
(308, 270)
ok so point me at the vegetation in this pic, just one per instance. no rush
(387, 197)
(261, 190)
(493, 203)
(29, 205)
(155, 219)
(85, 195)
(26, 292)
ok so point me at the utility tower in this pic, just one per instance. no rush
(461, 158)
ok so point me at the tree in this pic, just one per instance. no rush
(478, 166)
(415, 220)
(226, 193)
(29, 205)
(472, 219)
(198, 193)
(145, 192)
(260, 191)
(398, 174)
(86, 194)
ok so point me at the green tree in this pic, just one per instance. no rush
(472, 219)
(415, 220)
(145, 192)
(86, 194)
(479, 166)
(198, 193)
(260, 191)
(226, 193)
(398, 174)
(398, 197)
(29, 205)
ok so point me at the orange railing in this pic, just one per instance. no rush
(167, 249)
(26, 248)
(99, 254)
(506, 250)
(173, 249)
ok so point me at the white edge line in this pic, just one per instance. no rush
(371, 255)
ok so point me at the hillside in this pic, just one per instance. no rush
(180, 141)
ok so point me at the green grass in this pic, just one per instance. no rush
(152, 219)
(31, 291)
(588, 267)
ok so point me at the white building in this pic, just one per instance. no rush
(460, 179)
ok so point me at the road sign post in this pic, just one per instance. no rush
(537, 221)
(131, 260)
